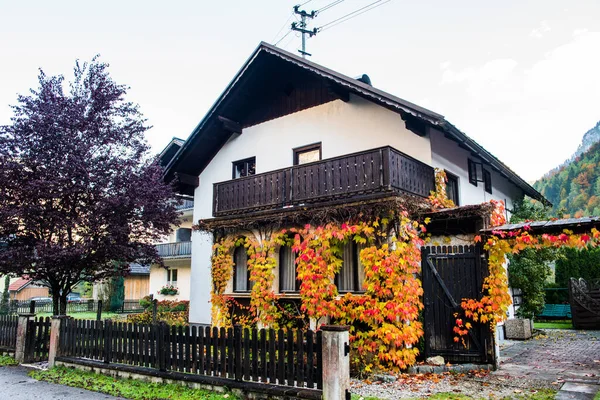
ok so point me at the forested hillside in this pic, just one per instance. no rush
(574, 189)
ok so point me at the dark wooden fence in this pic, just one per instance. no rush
(37, 341)
(290, 358)
(374, 171)
(8, 332)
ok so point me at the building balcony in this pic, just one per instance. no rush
(184, 204)
(175, 250)
(354, 176)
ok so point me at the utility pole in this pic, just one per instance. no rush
(301, 27)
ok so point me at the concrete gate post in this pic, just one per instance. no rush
(336, 362)
(20, 349)
(54, 349)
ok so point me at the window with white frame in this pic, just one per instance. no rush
(288, 278)
(172, 277)
(241, 274)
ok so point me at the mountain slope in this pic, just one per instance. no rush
(589, 138)
(574, 188)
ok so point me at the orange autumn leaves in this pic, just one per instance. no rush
(386, 311)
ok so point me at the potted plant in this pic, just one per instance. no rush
(168, 290)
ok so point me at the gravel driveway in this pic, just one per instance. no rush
(16, 384)
(555, 360)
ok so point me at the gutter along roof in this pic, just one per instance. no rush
(209, 136)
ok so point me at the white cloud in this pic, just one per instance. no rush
(532, 116)
(539, 32)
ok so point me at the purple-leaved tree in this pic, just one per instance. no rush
(80, 195)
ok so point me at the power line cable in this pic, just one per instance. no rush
(306, 2)
(351, 15)
(328, 6)
(284, 36)
(283, 27)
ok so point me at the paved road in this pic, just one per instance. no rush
(15, 384)
(568, 359)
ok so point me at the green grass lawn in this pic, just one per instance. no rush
(127, 388)
(553, 324)
(89, 315)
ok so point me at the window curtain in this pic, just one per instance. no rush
(241, 281)
(360, 267)
(352, 274)
(346, 275)
(287, 269)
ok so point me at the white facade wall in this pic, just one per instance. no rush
(158, 275)
(158, 279)
(342, 128)
(446, 154)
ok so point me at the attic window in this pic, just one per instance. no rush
(244, 167)
(307, 154)
(475, 172)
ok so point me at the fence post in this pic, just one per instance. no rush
(154, 310)
(99, 311)
(336, 362)
(54, 349)
(22, 324)
(32, 307)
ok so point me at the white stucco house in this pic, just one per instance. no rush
(285, 126)
(176, 248)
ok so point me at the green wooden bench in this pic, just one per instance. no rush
(556, 311)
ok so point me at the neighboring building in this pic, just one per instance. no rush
(176, 249)
(245, 159)
(137, 283)
(25, 289)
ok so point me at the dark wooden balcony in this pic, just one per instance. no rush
(176, 249)
(382, 170)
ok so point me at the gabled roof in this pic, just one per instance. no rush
(19, 284)
(170, 150)
(271, 71)
(139, 269)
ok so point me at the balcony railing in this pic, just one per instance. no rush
(374, 171)
(184, 204)
(177, 249)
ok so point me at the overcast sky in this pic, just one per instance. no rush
(520, 77)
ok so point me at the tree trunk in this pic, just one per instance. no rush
(59, 300)
(55, 303)
(63, 303)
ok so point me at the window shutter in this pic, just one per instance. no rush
(487, 181)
